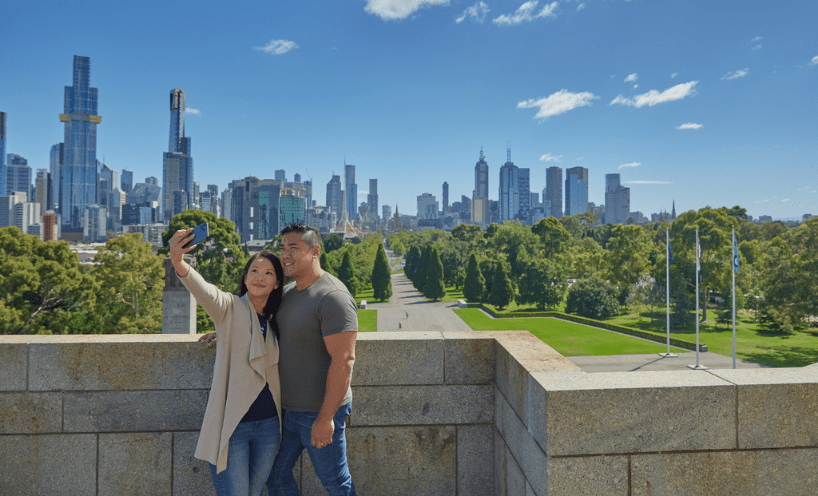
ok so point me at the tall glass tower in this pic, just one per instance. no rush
(3, 153)
(351, 188)
(576, 191)
(78, 176)
(177, 164)
(553, 191)
(509, 189)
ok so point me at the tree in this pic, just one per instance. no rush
(627, 254)
(592, 298)
(411, 263)
(333, 242)
(475, 285)
(381, 276)
(543, 283)
(454, 256)
(646, 293)
(422, 269)
(502, 291)
(467, 232)
(553, 236)
(434, 287)
(325, 265)
(346, 273)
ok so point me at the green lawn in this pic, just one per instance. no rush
(568, 338)
(367, 320)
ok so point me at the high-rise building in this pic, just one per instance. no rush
(55, 166)
(297, 178)
(335, 200)
(308, 193)
(445, 196)
(269, 209)
(553, 191)
(18, 175)
(427, 206)
(292, 210)
(576, 191)
(94, 223)
(42, 189)
(386, 213)
(127, 181)
(509, 189)
(7, 203)
(51, 227)
(480, 195)
(372, 199)
(524, 195)
(78, 175)
(177, 166)
(107, 181)
(3, 154)
(281, 175)
(617, 201)
(351, 189)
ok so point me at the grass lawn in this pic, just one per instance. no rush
(367, 294)
(568, 338)
(367, 320)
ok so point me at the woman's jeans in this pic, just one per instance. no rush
(250, 456)
(330, 462)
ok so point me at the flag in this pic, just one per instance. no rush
(669, 252)
(698, 252)
(735, 254)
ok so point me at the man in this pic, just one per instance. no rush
(318, 319)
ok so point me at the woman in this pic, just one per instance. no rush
(241, 429)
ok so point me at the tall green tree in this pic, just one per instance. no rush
(592, 298)
(412, 262)
(326, 265)
(346, 273)
(381, 276)
(502, 291)
(434, 287)
(333, 242)
(422, 269)
(543, 283)
(628, 254)
(475, 285)
(553, 236)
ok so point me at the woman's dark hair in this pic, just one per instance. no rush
(274, 300)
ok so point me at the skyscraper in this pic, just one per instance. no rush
(351, 189)
(177, 164)
(3, 191)
(509, 191)
(55, 165)
(576, 191)
(480, 195)
(281, 175)
(127, 181)
(617, 201)
(335, 200)
(372, 198)
(553, 191)
(445, 196)
(78, 177)
(18, 175)
(524, 195)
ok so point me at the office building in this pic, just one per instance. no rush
(576, 191)
(281, 175)
(7, 203)
(137, 214)
(78, 174)
(372, 199)
(386, 214)
(26, 215)
(51, 226)
(292, 210)
(617, 201)
(177, 163)
(127, 181)
(18, 175)
(2, 153)
(351, 191)
(553, 191)
(42, 189)
(94, 224)
(445, 196)
(524, 195)
(55, 167)
(335, 200)
(427, 206)
(509, 189)
(480, 195)
(267, 195)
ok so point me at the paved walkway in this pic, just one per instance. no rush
(654, 362)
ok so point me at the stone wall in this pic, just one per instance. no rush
(433, 414)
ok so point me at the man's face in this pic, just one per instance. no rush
(296, 256)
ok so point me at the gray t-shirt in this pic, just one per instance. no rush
(304, 319)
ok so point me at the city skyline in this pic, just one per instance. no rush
(707, 105)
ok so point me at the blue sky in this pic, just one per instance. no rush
(708, 103)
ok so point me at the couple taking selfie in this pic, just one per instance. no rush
(281, 378)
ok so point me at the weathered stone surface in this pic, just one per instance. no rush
(120, 363)
(14, 357)
(190, 475)
(469, 358)
(475, 460)
(624, 412)
(729, 473)
(135, 463)
(422, 405)
(394, 358)
(776, 407)
(508, 477)
(588, 475)
(133, 411)
(48, 464)
(522, 446)
(30, 413)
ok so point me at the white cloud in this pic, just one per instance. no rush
(736, 74)
(757, 38)
(580, 7)
(278, 47)
(476, 12)
(814, 61)
(635, 86)
(551, 158)
(392, 10)
(689, 125)
(785, 200)
(757, 47)
(654, 97)
(648, 182)
(558, 103)
(524, 13)
(192, 111)
(674, 75)
(630, 164)
(631, 78)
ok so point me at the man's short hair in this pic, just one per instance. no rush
(310, 235)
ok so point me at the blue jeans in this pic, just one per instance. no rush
(250, 457)
(330, 462)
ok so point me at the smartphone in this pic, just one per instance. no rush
(200, 233)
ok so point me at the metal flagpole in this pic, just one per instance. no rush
(698, 256)
(667, 297)
(735, 269)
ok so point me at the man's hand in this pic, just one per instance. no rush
(210, 337)
(322, 431)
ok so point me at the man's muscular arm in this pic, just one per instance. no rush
(341, 348)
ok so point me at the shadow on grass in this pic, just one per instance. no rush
(784, 356)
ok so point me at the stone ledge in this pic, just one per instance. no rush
(402, 358)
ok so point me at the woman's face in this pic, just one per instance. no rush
(261, 278)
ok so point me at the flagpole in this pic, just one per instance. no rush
(734, 269)
(667, 297)
(698, 256)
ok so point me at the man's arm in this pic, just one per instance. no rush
(341, 348)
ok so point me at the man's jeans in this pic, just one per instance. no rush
(330, 462)
(250, 457)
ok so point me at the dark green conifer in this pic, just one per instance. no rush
(381, 276)
(475, 284)
(347, 275)
(434, 287)
(502, 292)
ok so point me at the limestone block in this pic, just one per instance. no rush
(392, 358)
(626, 412)
(475, 460)
(469, 358)
(133, 411)
(149, 364)
(728, 473)
(190, 475)
(588, 475)
(135, 463)
(776, 407)
(30, 413)
(508, 477)
(14, 357)
(422, 405)
(522, 445)
(48, 464)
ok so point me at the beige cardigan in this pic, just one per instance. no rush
(245, 361)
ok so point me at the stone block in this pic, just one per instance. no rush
(626, 412)
(135, 463)
(48, 464)
(395, 358)
(146, 362)
(178, 312)
(190, 475)
(133, 411)
(422, 405)
(588, 475)
(13, 373)
(508, 477)
(522, 445)
(780, 472)
(30, 413)
(469, 358)
(776, 407)
(475, 459)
